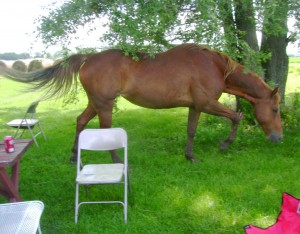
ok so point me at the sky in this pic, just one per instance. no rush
(17, 25)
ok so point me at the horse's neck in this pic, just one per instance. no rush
(246, 85)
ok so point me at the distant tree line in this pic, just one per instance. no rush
(56, 55)
(14, 56)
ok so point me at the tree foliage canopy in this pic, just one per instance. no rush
(152, 26)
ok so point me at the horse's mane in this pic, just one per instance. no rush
(231, 65)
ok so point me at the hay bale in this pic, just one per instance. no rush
(47, 62)
(8, 63)
(40, 63)
(35, 65)
(2, 64)
(57, 61)
(19, 66)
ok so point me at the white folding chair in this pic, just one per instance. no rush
(21, 217)
(28, 122)
(108, 173)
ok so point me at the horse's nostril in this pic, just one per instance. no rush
(277, 140)
(274, 137)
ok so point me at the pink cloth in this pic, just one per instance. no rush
(288, 221)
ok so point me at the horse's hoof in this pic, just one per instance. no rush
(73, 159)
(193, 159)
(224, 145)
(117, 161)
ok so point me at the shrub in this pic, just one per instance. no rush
(290, 113)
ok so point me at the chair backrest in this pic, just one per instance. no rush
(21, 217)
(102, 139)
(32, 108)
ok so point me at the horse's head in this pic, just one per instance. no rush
(267, 113)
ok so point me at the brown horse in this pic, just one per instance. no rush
(185, 76)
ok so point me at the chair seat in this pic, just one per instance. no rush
(29, 122)
(16, 122)
(101, 173)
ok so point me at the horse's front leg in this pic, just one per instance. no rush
(191, 130)
(81, 122)
(216, 108)
(233, 131)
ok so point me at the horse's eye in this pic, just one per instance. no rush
(275, 110)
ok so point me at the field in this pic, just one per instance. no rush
(222, 194)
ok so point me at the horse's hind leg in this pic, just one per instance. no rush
(104, 110)
(82, 121)
(191, 130)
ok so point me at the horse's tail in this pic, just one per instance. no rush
(57, 80)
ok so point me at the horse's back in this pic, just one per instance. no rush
(170, 79)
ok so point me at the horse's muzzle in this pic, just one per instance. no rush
(275, 137)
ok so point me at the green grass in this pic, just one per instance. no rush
(293, 84)
(223, 193)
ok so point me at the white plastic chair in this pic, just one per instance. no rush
(21, 217)
(92, 174)
(28, 122)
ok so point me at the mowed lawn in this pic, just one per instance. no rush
(221, 194)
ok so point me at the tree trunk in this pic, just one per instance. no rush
(277, 66)
(246, 32)
(274, 42)
(226, 13)
(245, 22)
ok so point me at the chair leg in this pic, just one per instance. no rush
(125, 213)
(76, 202)
(43, 134)
(22, 133)
(126, 182)
(41, 130)
(39, 229)
(16, 136)
(33, 136)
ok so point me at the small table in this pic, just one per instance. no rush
(10, 184)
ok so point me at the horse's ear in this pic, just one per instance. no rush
(275, 90)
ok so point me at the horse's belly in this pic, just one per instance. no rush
(158, 101)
